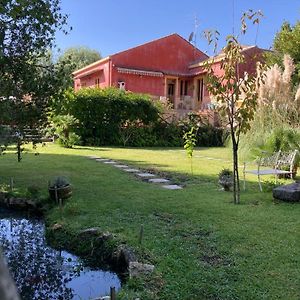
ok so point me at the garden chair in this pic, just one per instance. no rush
(279, 163)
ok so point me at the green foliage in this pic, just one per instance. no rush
(235, 95)
(225, 172)
(28, 76)
(33, 191)
(199, 237)
(63, 127)
(102, 113)
(27, 32)
(284, 139)
(59, 182)
(287, 42)
(190, 143)
(271, 139)
(207, 135)
(75, 58)
(157, 134)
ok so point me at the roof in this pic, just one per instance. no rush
(219, 57)
(99, 62)
(158, 39)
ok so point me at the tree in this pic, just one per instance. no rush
(287, 41)
(76, 58)
(234, 93)
(27, 31)
(28, 76)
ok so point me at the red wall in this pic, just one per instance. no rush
(139, 83)
(100, 71)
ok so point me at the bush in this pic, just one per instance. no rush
(114, 117)
(63, 127)
(103, 112)
(284, 139)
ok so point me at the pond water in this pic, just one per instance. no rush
(41, 272)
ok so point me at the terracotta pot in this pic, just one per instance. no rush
(63, 193)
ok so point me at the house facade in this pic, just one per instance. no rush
(169, 68)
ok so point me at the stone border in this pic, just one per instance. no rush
(104, 247)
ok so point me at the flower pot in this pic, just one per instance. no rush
(226, 181)
(63, 192)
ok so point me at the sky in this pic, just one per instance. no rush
(110, 26)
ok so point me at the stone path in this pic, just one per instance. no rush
(146, 176)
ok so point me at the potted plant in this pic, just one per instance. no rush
(226, 179)
(60, 188)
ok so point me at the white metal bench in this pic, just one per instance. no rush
(276, 164)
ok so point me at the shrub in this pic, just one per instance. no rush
(113, 117)
(63, 127)
(284, 139)
(103, 112)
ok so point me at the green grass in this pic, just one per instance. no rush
(202, 245)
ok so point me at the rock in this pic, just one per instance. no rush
(3, 196)
(145, 175)
(93, 231)
(31, 203)
(104, 237)
(137, 269)
(288, 193)
(123, 256)
(131, 170)
(18, 203)
(56, 226)
(159, 180)
(172, 187)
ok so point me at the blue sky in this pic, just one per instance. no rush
(110, 26)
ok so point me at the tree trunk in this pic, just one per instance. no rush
(8, 289)
(236, 180)
(19, 149)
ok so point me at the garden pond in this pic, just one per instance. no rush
(41, 272)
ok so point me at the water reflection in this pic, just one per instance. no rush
(41, 272)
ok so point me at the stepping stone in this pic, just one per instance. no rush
(93, 157)
(131, 170)
(111, 162)
(159, 180)
(102, 159)
(172, 187)
(145, 175)
(121, 166)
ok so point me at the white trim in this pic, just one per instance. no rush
(91, 65)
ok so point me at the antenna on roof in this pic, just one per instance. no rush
(191, 36)
(233, 8)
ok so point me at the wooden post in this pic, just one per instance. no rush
(60, 207)
(11, 184)
(141, 234)
(55, 194)
(113, 293)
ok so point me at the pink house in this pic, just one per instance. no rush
(167, 68)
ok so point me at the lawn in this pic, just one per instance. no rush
(202, 245)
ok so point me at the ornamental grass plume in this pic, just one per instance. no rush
(278, 107)
(276, 91)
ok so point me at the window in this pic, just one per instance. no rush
(200, 89)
